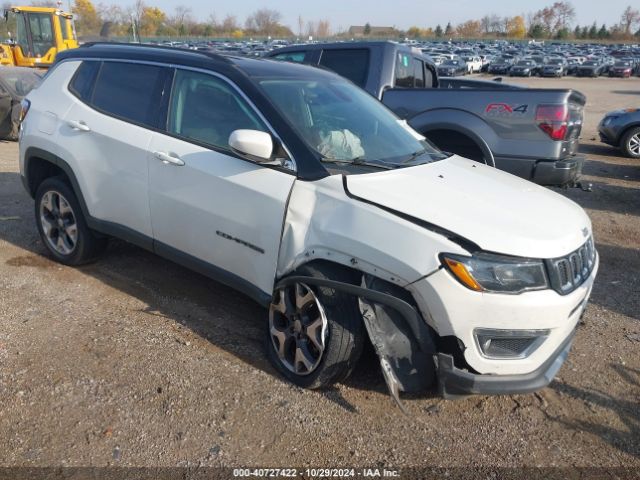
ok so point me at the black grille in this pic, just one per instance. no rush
(569, 272)
(509, 344)
(508, 347)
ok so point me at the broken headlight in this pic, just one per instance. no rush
(486, 272)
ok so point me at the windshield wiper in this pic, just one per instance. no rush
(432, 158)
(356, 161)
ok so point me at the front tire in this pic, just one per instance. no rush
(315, 335)
(630, 144)
(62, 225)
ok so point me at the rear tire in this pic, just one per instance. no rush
(310, 354)
(630, 143)
(62, 226)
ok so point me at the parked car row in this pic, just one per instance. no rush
(494, 57)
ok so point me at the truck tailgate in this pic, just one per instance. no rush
(509, 114)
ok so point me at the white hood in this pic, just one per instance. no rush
(499, 212)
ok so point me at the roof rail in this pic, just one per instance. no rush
(211, 55)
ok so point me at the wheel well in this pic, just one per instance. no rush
(354, 276)
(456, 142)
(38, 170)
(625, 131)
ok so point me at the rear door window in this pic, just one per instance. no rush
(350, 63)
(404, 70)
(129, 91)
(297, 57)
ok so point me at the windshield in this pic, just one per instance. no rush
(525, 64)
(623, 64)
(453, 63)
(555, 62)
(344, 124)
(590, 64)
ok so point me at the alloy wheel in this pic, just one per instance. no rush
(298, 328)
(634, 144)
(58, 223)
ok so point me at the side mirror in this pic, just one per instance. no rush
(255, 144)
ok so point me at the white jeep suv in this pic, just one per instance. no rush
(299, 189)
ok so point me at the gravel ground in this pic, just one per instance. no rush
(134, 361)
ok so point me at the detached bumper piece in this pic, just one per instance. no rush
(562, 172)
(453, 382)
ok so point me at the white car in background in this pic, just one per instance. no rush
(474, 63)
(294, 186)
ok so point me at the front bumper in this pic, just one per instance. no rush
(453, 382)
(453, 310)
(608, 134)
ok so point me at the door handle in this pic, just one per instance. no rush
(168, 159)
(79, 125)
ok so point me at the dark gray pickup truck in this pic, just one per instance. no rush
(532, 133)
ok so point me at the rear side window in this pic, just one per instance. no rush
(351, 63)
(82, 82)
(404, 71)
(418, 73)
(297, 57)
(428, 77)
(130, 91)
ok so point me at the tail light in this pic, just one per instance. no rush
(553, 120)
(24, 109)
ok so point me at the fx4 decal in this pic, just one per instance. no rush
(504, 110)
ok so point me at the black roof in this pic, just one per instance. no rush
(251, 67)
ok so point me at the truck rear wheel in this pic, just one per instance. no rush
(458, 143)
(315, 335)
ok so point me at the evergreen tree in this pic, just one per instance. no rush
(449, 30)
(576, 32)
(603, 32)
(439, 32)
(593, 31)
(367, 28)
(537, 31)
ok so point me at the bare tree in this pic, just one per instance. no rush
(264, 21)
(182, 16)
(485, 23)
(630, 17)
(213, 21)
(323, 28)
(311, 28)
(137, 10)
(300, 25)
(230, 23)
(565, 14)
(495, 23)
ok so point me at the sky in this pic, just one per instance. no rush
(399, 13)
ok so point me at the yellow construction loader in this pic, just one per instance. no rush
(39, 34)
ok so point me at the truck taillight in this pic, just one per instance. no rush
(24, 109)
(553, 120)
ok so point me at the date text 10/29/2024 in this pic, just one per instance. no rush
(316, 472)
